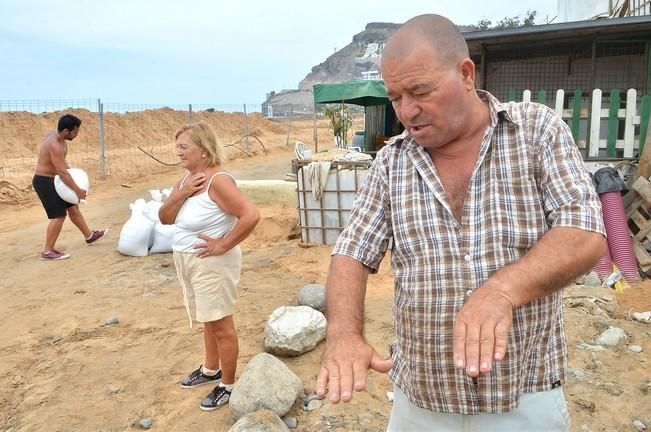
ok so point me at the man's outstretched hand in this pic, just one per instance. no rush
(481, 331)
(345, 364)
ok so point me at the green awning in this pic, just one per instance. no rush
(365, 93)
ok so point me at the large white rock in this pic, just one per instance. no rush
(265, 383)
(293, 330)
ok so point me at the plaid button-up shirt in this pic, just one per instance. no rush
(529, 177)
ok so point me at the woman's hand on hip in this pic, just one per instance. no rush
(210, 246)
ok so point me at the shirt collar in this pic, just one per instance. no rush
(498, 111)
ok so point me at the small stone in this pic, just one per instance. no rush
(165, 265)
(594, 364)
(645, 387)
(291, 422)
(637, 424)
(635, 348)
(592, 279)
(312, 402)
(16, 381)
(642, 316)
(586, 405)
(612, 337)
(114, 390)
(390, 396)
(577, 373)
(588, 347)
(112, 320)
(145, 423)
(613, 389)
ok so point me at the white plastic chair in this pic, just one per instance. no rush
(302, 151)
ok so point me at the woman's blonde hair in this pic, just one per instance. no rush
(203, 135)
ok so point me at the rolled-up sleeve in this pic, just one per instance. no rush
(366, 236)
(569, 198)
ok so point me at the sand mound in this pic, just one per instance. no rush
(140, 143)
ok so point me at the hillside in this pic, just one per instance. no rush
(359, 58)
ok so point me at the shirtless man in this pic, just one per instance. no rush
(51, 162)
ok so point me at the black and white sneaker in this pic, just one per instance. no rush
(198, 378)
(217, 398)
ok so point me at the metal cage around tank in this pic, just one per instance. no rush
(322, 220)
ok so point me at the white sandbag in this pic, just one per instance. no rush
(151, 210)
(137, 232)
(163, 237)
(156, 195)
(80, 178)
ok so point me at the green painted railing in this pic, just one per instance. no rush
(620, 117)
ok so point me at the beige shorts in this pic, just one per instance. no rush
(211, 282)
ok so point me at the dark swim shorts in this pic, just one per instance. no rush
(54, 205)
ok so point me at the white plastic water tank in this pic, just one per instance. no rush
(323, 220)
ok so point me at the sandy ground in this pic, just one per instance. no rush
(62, 369)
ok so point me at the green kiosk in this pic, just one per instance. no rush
(380, 121)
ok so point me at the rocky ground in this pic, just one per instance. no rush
(64, 368)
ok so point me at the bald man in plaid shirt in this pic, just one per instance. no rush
(491, 212)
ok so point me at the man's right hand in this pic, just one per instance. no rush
(81, 194)
(345, 364)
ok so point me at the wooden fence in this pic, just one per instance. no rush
(617, 130)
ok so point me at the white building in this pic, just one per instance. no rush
(579, 10)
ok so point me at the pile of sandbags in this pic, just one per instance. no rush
(143, 233)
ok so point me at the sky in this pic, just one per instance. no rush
(196, 51)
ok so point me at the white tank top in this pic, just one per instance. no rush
(200, 215)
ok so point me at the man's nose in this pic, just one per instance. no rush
(409, 108)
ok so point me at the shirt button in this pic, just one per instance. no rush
(467, 257)
(468, 293)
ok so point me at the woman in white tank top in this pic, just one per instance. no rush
(211, 216)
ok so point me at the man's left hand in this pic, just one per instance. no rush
(481, 331)
(210, 247)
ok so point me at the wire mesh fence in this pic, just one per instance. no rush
(133, 140)
(584, 65)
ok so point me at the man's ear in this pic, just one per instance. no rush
(467, 70)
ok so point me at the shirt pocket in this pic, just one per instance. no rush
(517, 212)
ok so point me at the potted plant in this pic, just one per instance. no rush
(341, 120)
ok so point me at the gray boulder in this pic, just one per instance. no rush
(313, 295)
(265, 383)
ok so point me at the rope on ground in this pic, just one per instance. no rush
(264, 150)
(234, 144)
(156, 159)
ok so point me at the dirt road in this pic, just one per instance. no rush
(62, 369)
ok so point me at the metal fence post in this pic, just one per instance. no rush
(314, 132)
(102, 160)
(289, 127)
(190, 113)
(246, 130)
